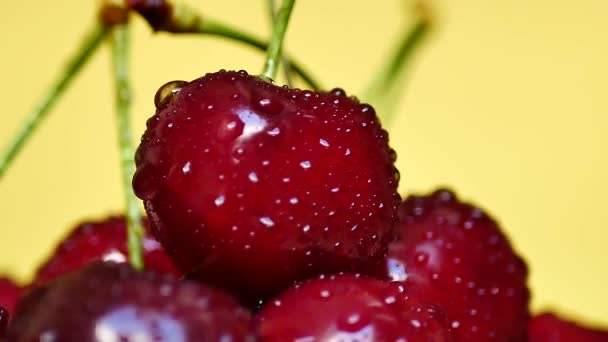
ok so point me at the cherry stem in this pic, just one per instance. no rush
(120, 49)
(167, 16)
(286, 64)
(381, 91)
(273, 53)
(91, 42)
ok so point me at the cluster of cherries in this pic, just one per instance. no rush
(273, 215)
(278, 219)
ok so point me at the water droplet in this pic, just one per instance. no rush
(393, 155)
(323, 142)
(219, 201)
(274, 132)
(338, 92)
(231, 130)
(253, 177)
(267, 221)
(165, 93)
(268, 105)
(186, 168)
(367, 109)
(390, 300)
(306, 164)
(293, 200)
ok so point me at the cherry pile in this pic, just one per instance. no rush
(272, 214)
(279, 208)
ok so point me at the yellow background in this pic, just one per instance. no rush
(507, 104)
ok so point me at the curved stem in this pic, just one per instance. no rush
(54, 92)
(273, 53)
(120, 47)
(175, 17)
(382, 88)
(219, 29)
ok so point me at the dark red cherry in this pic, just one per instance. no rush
(350, 308)
(254, 186)
(453, 254)
(4, 316)
(112, 302)
(100, 240)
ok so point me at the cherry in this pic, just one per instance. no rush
(9, 293)
(254, 186)
(349, 307)
(454, 254)
(549, 327)
(113, 302)
(100, 240)
(4, 316)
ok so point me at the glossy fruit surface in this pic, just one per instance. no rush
(100, 240)
(452, 253)
(4, 316)
(254, 186)
(548, 327)
(112, 302)
(9, 293)
(349, 308)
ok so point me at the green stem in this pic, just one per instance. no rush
(381, 90)
(272, 14)
(176, 17)
(120, 47)
(215, 28)
(273, 53)
(74, 65)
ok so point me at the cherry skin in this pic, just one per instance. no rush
(453, 254)
(100, 240)
(9, 293)
(4, 316)
(252, 186)
(549, 327)
(348, 307)
(112, 302)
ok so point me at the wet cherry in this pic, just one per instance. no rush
(103, 239)
(254, 186)
(112, 302)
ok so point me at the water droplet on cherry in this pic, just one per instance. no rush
(165, 93)
(268, 105)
